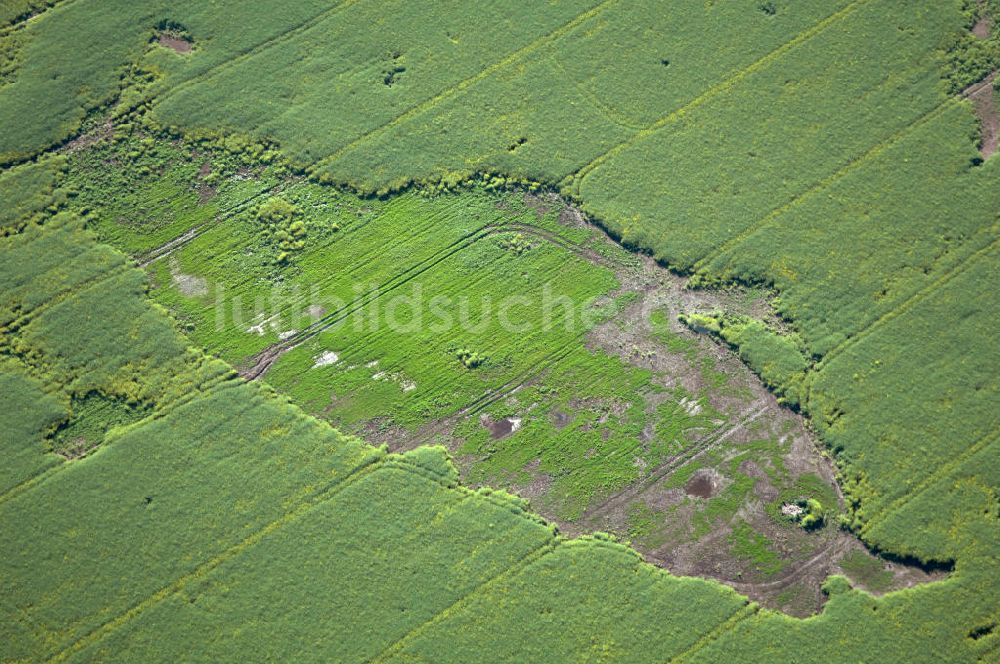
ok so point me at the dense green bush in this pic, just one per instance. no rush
(281, 228)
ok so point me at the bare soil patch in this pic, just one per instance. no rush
(700, 486)
(206, 192)
(188, 284)
(983, 27)
(91, 138)
(536, 203)
(560, 420)
(175, 43)
(500, 428)
(983, 98)
(538, 486)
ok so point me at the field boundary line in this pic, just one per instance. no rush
(22, 22)
(40, 478)
(745, 612)
(366, 468)
(548, 38)
(964, 263)
(67, 294)
(942, 472)
(254, 50)
(714, 91)
(31, 482)
(852, 164)
(209, 388)
(976, 88)
(517, 567)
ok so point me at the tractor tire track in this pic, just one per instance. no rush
(901, 500)
(838, 545)
(328, 492)
(903, 307)
(492, 395)
(164, 250)
(582, 252)
(412, 112)
(609, 113)
(576, 180)
(700, 448)
(266, 358)
(817, 188)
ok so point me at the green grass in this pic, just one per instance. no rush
(824, 130)
(233, 501)
(29, 414)
(91, 419)
(411, 375)
(729, 198)
(752, 546)
(868, 571)
(29, 192)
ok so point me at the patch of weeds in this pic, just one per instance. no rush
(514, 243)
(469, 359)
(747, 544)
(867, 571)
(91, 417)
(809, 501)
(674, 342)
(724, 506)
(10, 56)
(713, 377)
(393, 71)
(681, 476)
(642, 520)
(282, 230)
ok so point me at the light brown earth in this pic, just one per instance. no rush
(983, 27)
(175, 43)
(984, 101)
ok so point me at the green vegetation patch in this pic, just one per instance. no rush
(867, 570)
(92, 417)
(745, 543)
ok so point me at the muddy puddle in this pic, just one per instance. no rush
(500, 428)
(700, 486)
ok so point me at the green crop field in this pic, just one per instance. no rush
(553, 331)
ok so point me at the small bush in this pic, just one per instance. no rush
(469, 359)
